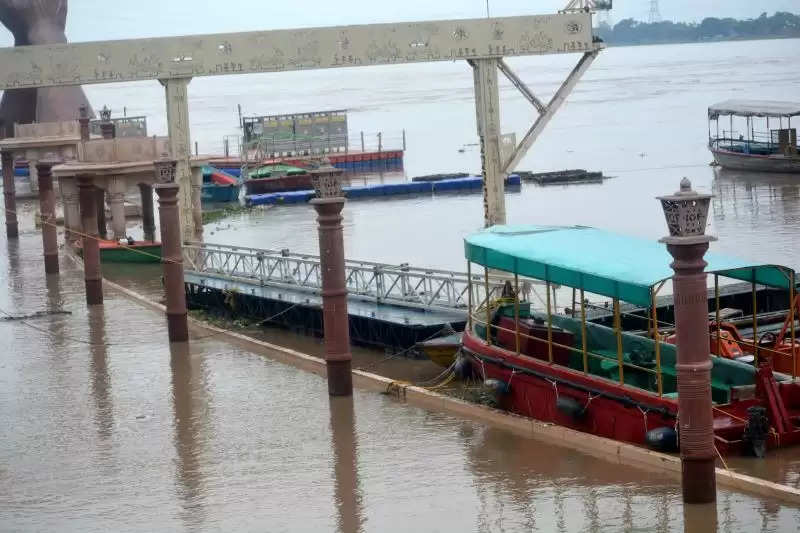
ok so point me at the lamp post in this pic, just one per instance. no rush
(106, 126)
(171, 252)
(686, 213)
(328, 204)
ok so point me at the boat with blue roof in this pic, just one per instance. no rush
(603, 380)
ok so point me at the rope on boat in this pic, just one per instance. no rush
(721, 458)
(644, 416)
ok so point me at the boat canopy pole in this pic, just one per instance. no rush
(657, 343)
(583, 335)
(516, 310)
(469, 295)
(716, 301)
(549, 326)
(547, 112)
(792, 316)
(618, 333)
(488, 307)
(755, 324)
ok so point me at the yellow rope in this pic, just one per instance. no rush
(98, 239)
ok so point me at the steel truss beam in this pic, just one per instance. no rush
(547, 112)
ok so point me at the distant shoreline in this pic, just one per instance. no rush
(709, 41)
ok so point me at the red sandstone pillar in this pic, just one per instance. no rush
(47, 205)
(172, 259)
(686, 214)
(171, 251)
(9, 195)
(328, 204)
(92, 274)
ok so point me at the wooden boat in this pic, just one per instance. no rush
(219, 186)
(137, 252)
(603, 380)
(773, 150)
(277, 178)
(441, 350)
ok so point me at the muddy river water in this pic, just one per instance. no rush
(105, 427)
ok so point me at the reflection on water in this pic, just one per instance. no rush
(757, 214)
(190, 416)
(100, 378)
(347, 492)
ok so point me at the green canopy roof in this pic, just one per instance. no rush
(598, 261)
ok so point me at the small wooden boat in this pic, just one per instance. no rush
(770, 150)
(441, 350)
(277, 178)
(219, 186)
(136, 252)
(606, 381)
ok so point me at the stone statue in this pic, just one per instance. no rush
(37, 22)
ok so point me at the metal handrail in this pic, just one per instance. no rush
(402, 284)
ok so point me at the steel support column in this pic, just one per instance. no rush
(179, 140)
(9, 196)
(172, 259)
(47, 206)
(487, 107)
(334, 295)
(92, 274)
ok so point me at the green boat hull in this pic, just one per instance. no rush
(144, 254)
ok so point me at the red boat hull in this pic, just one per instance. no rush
(611, 409)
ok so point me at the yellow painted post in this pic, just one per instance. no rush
(516, 309)
(488, 307)
(791, 327)
(618, 332)
(583, 336)
(657, 341)
(469, 296)
(719, 327)
(755, 325)
(549, 325)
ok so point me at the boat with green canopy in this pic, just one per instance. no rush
(603, 380)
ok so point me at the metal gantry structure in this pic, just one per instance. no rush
(654, 15)
(174, 61)
(402, 285)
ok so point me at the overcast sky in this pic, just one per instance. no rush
(119, 19)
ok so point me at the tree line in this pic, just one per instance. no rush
(629, 31)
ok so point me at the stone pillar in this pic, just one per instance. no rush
(100, 203)
(47, 206)
(148, 219)
(9, 196)
(179, 139)
(696, 423)
(92, 274)
(329, 204)
(686, 213)
(172, 259)
(72, 214)
(487, 106)
(33, 176)
(116, 203)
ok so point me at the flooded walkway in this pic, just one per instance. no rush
(106, 427)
